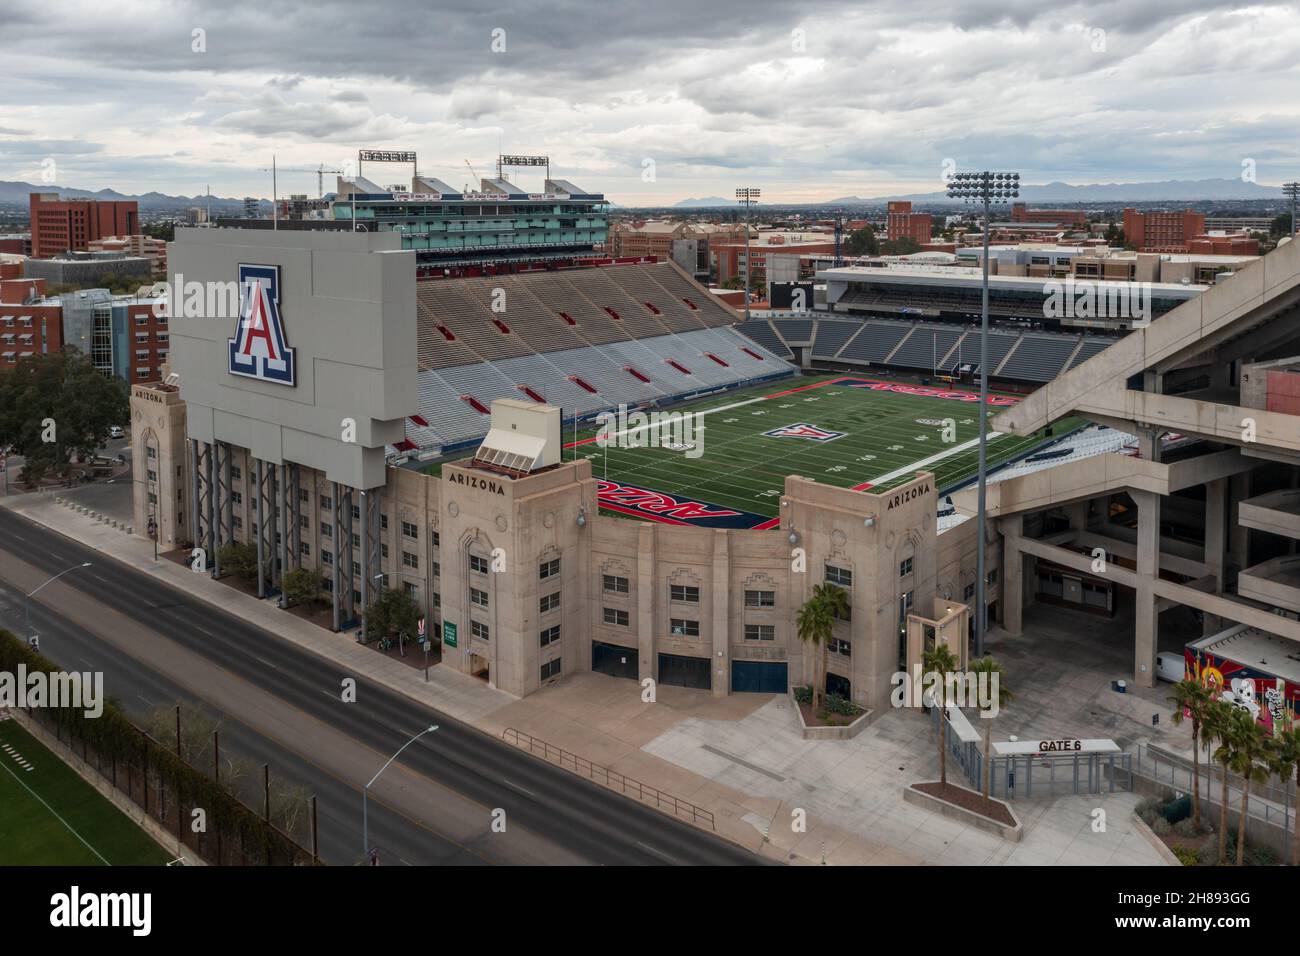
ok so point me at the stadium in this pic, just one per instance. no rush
(441, 435)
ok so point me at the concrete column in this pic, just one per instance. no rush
(194, 492)
(334, 547)
(282, 527)
(261, 532)
(646, 593)
(1013, 575)
(1216, 499)
(1238, 537)
(1147, 620)
(228, 506)
(1078, 514)
(720, 664)
(214, 512)
(366, 570)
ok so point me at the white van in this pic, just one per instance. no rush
(116, 431)
(1169, 666)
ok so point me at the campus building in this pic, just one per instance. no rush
(1162, 231)
(70, 225)
(902, 223)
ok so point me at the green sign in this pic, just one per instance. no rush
(448, 634)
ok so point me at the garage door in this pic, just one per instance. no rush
(613, 660)
(684, 671)
(758, 677)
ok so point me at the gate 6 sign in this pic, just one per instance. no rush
(258, 349)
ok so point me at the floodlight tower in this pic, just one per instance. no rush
(1291, 191)
(747, 196)
(985, 188)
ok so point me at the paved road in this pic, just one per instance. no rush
(449, 781)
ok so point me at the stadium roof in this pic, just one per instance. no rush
(961, 277)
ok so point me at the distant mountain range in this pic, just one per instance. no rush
(705, 202)
(1171, 190)
(17, 192)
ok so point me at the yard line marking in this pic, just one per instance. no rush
(899, 472)
(55, 814)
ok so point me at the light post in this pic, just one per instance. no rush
(748, 196)
(1291, 191)
(365, 791)
(27, 600)
(985, 188)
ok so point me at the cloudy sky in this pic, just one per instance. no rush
(650, 101)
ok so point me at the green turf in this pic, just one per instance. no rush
(741, 468)
(32, 833)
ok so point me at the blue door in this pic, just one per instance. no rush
(758, 677)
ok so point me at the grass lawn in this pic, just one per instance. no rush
(883, 435)
(49, 816)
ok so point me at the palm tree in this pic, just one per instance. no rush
(996, 672)
(1190, 699)
(1287, 756)
(1252, 760)
(1219, 726)
(815, 624)
(939, 660)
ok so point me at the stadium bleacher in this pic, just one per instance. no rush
(585, 340)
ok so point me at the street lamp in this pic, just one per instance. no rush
(1291, 191)
(27, 600)
(748, 196)
(365, 791)
(984, 188)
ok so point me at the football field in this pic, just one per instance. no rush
(851, 431)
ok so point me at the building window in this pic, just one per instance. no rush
(615, 585)
(905, 568)
(969, 592)
(760, 632)
(992, 576)
(304, 548)
(326, 530)
(326, 558)
(684, 628)
(480, 630)
(548, 569)
(304, 495)
(412, 591)
(235, 496)
(410, 530)
(437, 540)
(551, 669)
(326, 502)
(760, 599)
(437, 569)
(614, 616)
(356, 569)
(410, 560)
(383, 521)
(550, 635)
(478, 564)
(437, 599)
(383, 550)
(841, 576)
(478, 598)
(304, 521)
(837, 646)
(153, 453)
(681, 592)
(549, 602)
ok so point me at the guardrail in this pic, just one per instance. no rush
(609, 778)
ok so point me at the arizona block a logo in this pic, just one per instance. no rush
(258, 349)
(805, 431)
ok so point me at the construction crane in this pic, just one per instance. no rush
(320, 172)
(476, 178)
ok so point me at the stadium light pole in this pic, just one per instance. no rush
(985, 188)
(27, 599)
(747, 196)
(1291, 191)
(365, 791)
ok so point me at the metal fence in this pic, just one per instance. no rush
(610, 778)
(1271, 805)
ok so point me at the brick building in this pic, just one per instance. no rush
(63, 225)
(901, 222)
(1162, 231)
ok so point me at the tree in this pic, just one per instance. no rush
(862, 242)
(301, 586)
(994, 670)
(240, 559)
(57, 405)
(1252, 759)
(1220, 727)
(392, 613)
(1190, 699)
(902, 246)
(1286, 757)
(940, 661)
(1281, 225)
(815, 624)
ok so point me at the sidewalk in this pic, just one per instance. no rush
(739, 757)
